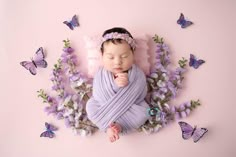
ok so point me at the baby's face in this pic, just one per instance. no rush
(118, 57)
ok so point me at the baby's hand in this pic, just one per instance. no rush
(121, 79)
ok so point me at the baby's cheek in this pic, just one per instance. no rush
(129, 64)
(107, 64)
(104, 61)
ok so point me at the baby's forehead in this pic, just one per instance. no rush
(116, 46)
(117, 52)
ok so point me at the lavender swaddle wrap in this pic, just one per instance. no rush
(124, 105)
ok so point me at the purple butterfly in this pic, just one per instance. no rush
(73, 23)
(184, 23)
(37, 61)
(194, 62)
(188, 131)
(49, 131)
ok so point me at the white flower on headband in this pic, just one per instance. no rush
(122, 36)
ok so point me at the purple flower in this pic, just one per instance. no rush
(165, 47)
(74, 61)
(172, 88)
(67, 122)
(183, 114)
(158, 45)
(155, 96)
(50, 99)
(51, 109)
(52, 79)
(182, 107)
(164, 90)
(64, 55)
(160, 67)
(177, 115)
(55, 87)
(163, 116)
(154, 75)
(188, 111)
(180, 70)
(188, 104)
(173, 109)
(64, 60)
(59, 115)
(74, 77)
(68, 49)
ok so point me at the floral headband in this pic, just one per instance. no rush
(122, 36)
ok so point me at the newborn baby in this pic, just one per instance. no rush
(119, 87)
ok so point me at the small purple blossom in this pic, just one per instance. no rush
(67, 122)
(68, 50)
(187, 104)
(177, 115)
(188, 111)
(59, 115)
(50, 100)
(182, 107)
(183, 114)
(52, 109)
(173, 109)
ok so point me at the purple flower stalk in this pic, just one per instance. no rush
(164, 84)
(69, 104)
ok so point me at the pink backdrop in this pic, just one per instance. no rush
(29, 24)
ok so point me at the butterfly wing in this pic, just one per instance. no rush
(39, 55)
(68, 24)
(42, 63)
(181, 19)
(198, 134)
(29, 66)
(198, 63)
(186, 24)
(47, 133)
(187, 130)
(192, 60)
(74, 22)
(50, 127)
(39, 58)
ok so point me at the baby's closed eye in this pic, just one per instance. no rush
(110, 56)
(124, 56)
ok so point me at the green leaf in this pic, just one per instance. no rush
(66, 43)
(183, 62)
(157, 39)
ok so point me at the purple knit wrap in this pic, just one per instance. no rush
(124, 105)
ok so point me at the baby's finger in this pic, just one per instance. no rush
(122, 81)
(122, 74)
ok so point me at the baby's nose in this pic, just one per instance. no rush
(118, 61)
